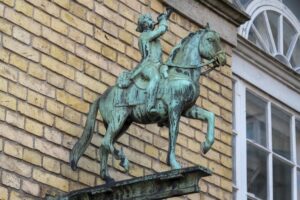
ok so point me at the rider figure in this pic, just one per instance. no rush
(151, 51)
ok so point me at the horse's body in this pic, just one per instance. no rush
(177, 96)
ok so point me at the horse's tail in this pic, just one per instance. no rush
(83, 142)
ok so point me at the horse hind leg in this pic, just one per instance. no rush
(114, 129)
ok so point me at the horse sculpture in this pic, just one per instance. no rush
(176, 96)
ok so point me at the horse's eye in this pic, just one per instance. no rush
(210, 39)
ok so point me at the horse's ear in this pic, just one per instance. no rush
(207, 27)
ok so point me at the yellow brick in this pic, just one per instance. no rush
(73, 88)
(15, 119)
(128, 13)
(151, 151)
(41, 44)
(36, 99)
(86, 178)
(109, 14)
(58, 39)
(94, 19)
(13, 149)
(33, 112)
(112, 4)
(1, 10)
(91, 56)
(177, 30)
(16, 135)
(75, 62)
(53, 135)
(49, 179)
(58, 67)
(78, 10)
(76, 35)
(124, 61)
(89, 95)
(4, 55)
(93, 44)
(36, 85)
(72, 101)
(68, 172)
(109, 53)
(109, 41)
(89, 165)
(51, 164)
(55, 151)
(3, 193)
(34, 127)
(24, 8)
(18, 61)
(87, 3)
(76, 22)
(59, 26)
(11, 180)
(8, 101)
(92, 70)
(8, 72)
(3, 84)
(42, 17)
(68, 127)
(58, 53)
(55, 79)
(31, 188)
(133, 53)
(32, 156)
(211, 107)
(5, 27)
(9, 2)
(17, 90)
(21, 49)
(125, 36)
(63, 3)
(137, 144)
(110, 28)
(108, 78)
(90, 83)
(49, 7)
(37, 71)
(23, 21)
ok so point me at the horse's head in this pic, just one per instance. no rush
(210, 46)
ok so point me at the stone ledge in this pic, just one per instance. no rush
(156, 186)
(222, 15)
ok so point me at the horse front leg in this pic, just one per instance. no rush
(174, 117)
(196, 112)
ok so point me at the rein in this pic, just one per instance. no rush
(204, 64)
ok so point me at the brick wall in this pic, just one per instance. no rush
(56, 57)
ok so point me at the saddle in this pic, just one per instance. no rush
(133, 92)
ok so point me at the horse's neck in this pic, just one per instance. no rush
(185, 73)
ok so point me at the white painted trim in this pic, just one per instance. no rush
(265, 82)
(270, 155)
(294, 157)
(241, 142)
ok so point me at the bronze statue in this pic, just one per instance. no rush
(154, 92)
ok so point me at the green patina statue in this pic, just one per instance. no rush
(154, 92)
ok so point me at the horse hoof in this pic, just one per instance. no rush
(125, 164)
(204, 148)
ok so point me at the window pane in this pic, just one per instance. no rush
(288, 34)
(256, 119)
(295, 59)
(294, 6)
(261, 27)
(298, 141)
(256, 172)
(282, 173)
(273, 20)
(281, 132)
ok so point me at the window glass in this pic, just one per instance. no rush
(256, 119)
(273, 20)
(298, 141)
(281, 132)
(294, 6)
(295, 59)
(256, 172)
(260, 25)
(288, 34)
(282, 179)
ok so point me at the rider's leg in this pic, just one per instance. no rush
(154, 76)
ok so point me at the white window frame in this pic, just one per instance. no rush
(239, 129)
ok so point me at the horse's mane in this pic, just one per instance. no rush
(186, 51)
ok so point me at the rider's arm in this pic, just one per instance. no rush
(162, 28)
